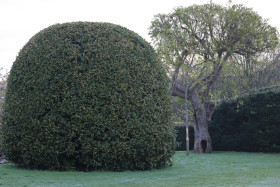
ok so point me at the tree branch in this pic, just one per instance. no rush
(202, 42)
(176, 89)
(276, 59)
(215, 74)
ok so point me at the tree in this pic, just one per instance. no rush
(203, 40)
(248, 74)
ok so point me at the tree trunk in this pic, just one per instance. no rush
(202, 139)
(187, 119)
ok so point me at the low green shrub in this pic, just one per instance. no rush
(248, 123)
(88, 96)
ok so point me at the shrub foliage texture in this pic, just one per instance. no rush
(88, 96)
(248, 123)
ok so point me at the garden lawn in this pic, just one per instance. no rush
(216, 169)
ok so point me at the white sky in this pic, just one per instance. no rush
(21, 19)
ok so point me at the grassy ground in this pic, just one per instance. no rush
(216, 169)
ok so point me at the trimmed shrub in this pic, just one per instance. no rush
(181, 138)
(88, 96)
(248, 123)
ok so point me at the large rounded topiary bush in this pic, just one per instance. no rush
(88, 96)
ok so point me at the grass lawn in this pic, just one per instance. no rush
(216, 169)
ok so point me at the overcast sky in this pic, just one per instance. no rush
(21, 19)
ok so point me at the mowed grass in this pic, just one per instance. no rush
(216, 169)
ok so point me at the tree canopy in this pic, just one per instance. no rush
(213, 34)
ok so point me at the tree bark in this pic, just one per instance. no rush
(202, 114)
(187, 119)
(202, 139)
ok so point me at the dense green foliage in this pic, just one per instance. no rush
(181, 138)
(88, 96)
(248, 123)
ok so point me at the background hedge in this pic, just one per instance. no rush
(248, 123)
(88, 96)
(181, 138)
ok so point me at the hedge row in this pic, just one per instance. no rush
(248, 123)
(181, 138)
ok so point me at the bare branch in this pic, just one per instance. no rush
(276, 59)
(183, 57)
(177, 90)
(201, 41)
